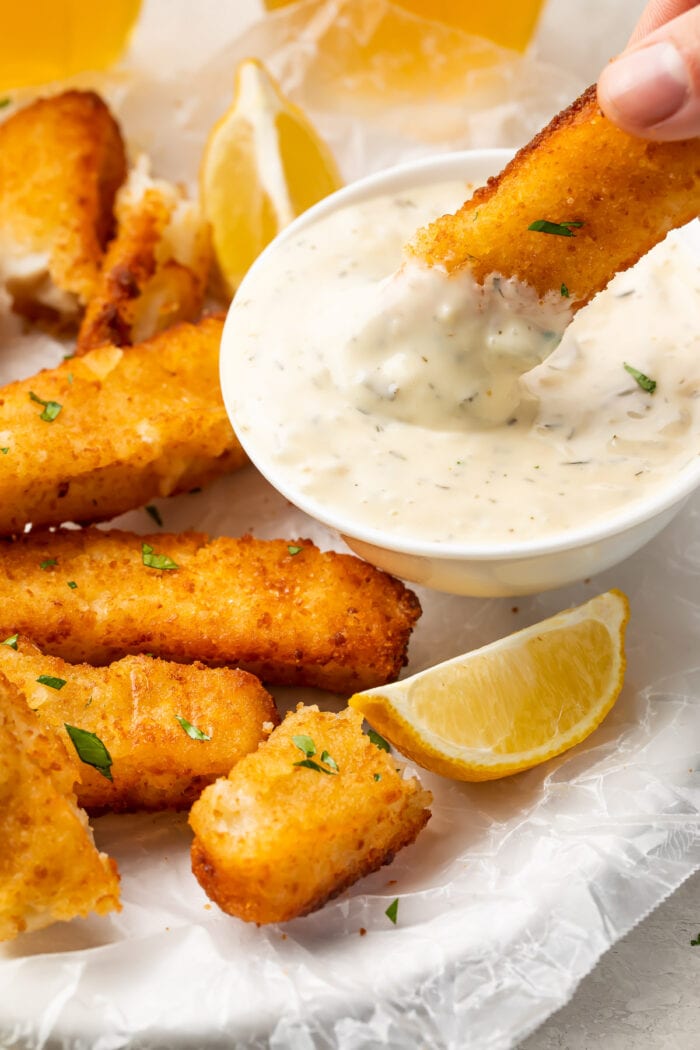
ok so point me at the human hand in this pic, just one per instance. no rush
(653, 88)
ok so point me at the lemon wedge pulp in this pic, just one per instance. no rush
(263, 164)
(511, 704)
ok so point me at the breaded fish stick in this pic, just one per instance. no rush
(140, 708)
(155, 270)
(611, 196)
(285, 611)
(345, 800)
(106, 432)
(50, 870)
(62, 160)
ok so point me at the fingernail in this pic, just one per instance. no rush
(645, 87)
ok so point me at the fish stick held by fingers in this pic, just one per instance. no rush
(106, 432)
(287, 612)
(155, 269)
(598, 198)
(169, 729)
(318, 780)
(62, 160)
(50, 870)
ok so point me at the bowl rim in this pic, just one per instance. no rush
(436, 168)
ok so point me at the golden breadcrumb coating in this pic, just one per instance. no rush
(155, 270)
(626, 192)
(133, 706)
(277, 840)
(50, 870)
(132, 425)
(306, 618)
(62, 160)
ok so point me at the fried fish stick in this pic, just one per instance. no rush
(170, 729)
(345, 800)
(285, 611)
(611, 196)
(155, 270)
(50, 870)
(62, 160)
(106, 432)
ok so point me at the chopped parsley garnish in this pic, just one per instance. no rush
(308, 749)
(70, 377)
(559, 229)
(4, 451)
(695, 941)
(378, 740)
(51, 408)
(377, 776)
(644, 381)
(392, 911)
(293, 549)
(72, 584)
(47, 563)
(51, 682)
(11, 642)
(191, 730)
(5, 101)
(90, 750)
(155, 514)
(331, 762)
(156, 561)
(564, 291)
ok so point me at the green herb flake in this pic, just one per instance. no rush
(564, 291)
(331, 762)
(70, 378)
(305, 744)
(4, 451)
(51, 408)
(51, 682)
(154, 513)
(4, 102)
(392, 911)
(192, 731)
(308, 749)
(292, 549)
(48, 563)
(643, 381)
(695, 941)
(72, 584)
(90, 750)
(559, 229)
(11, 642)
(378, 741)
(377, 776)
(156, 561)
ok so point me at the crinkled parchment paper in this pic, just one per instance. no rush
(515, 888)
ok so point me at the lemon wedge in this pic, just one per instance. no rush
(513, 703)
(263, 165)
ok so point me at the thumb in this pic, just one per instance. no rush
(653, 89)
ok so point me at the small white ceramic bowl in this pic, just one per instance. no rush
(468, 568)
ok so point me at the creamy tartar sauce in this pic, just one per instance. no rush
(365, 391)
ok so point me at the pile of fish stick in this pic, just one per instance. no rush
(133, 669)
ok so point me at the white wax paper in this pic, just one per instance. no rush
(515, 888)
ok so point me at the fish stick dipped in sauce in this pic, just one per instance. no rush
(144, 733)
(580, 203)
